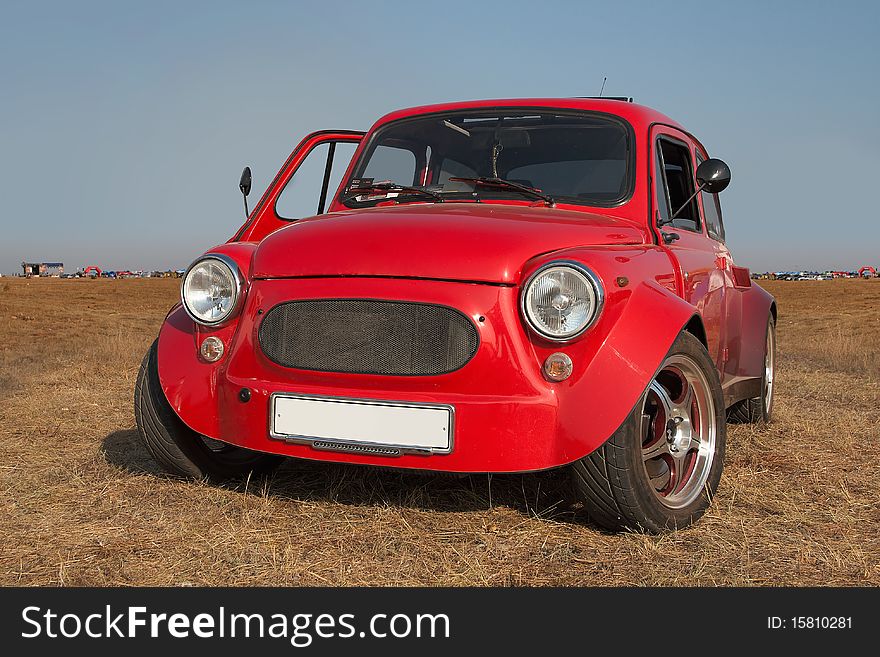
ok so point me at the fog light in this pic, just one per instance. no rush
(557, 367)
(212, 349)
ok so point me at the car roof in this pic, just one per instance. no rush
(640, 117)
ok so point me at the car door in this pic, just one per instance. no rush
(305, 183)
(701, 262)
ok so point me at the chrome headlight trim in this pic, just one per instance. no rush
(591, 277)
(237, 288)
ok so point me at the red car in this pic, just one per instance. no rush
(493, 286)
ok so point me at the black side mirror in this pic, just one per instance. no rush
(713, 175)
(244, 184)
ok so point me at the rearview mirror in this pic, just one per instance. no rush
(513, 138)
(713, 175)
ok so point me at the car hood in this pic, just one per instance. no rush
(478, 242)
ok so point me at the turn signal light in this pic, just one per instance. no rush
(212, 349)
(557, 367)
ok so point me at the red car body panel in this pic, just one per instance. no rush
(475, 258)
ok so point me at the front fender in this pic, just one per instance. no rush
(624, 365)
(188, 381)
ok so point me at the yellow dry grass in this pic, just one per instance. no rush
(83, 504)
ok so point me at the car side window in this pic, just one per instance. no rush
(679, 184)
(301, 197)
(711, 211)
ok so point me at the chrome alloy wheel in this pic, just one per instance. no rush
(678, 431)
(769, 369)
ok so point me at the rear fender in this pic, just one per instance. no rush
(758, 306)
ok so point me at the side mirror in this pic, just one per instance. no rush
(713, 175)
(244, 184)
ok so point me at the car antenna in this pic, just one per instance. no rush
(605, 79)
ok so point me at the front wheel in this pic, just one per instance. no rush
(660, 469)
(179, 449)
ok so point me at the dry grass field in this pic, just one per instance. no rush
(83, 504)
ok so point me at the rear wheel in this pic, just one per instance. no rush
(179, 449)
(661, 468)
(759, 409)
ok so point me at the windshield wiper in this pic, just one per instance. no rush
(509, 184)
(361, 190)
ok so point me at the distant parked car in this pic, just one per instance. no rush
(496, 286)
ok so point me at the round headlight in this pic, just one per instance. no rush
(211, 289)
(561, 300)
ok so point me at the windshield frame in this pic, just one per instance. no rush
(367, 148)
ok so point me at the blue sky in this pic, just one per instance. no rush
(124, 126)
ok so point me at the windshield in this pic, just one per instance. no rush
(573, 157)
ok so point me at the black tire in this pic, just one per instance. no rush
(759, 409)
(177, 448)
(613, 482)
(747, 411)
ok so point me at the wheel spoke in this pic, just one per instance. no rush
(660, 472)
(653, 435)
(656, 443)
(687, 401)
(655, 449)
(659, 475)
(682, 460)
(664, 399)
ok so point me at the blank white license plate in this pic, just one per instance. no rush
(363, 421)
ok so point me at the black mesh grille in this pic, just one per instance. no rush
(365, 336)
